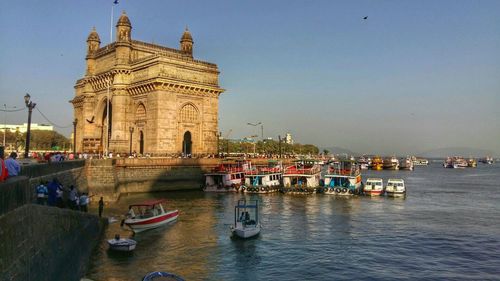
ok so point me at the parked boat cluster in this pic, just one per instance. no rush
(341, 177)
(457, 162)
(390, 163)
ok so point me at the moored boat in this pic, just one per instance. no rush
(229, 176)
(148, 215)
(246, 219)
(406, 164)
(373, 187)
(471, 163)
(343, 178)
(364, 162)
(264, 179)
(391, 163)
(303, 176)
(417, 161)
(395, 188)
(377, 163)
(122, 244)
(487, 160)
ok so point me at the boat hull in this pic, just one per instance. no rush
(396, 194)
(373, 192)
(261, 189)
(246, 232)
(339, 191)
(215, 188)
(139, 225)
(123, 245)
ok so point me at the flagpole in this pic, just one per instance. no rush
(109, 82)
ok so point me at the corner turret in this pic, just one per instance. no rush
(123, 28)
(187, 43)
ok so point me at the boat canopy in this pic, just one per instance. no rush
(149, 203)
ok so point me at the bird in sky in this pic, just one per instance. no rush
(91, 120)
(365, 18)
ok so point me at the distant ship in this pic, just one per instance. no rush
(487, 160)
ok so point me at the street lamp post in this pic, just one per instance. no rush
(131, 129)
(279, 145)
(74, 136)
(30, 105)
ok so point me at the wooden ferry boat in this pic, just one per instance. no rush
(227, 177)
(377, 163)
(304, 176)
(391, 163)
(264, 179)
(406, 164)
(343, 178)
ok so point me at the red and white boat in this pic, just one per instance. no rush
(148, 215)
(374, 187)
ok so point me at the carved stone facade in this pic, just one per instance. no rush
(169, 99)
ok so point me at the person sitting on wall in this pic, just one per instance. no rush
(12, 165)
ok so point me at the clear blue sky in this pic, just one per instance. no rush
(414, 76)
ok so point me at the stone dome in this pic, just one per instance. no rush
(123, 20)
(93, 36)
(186, 36)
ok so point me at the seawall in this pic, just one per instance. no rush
(41, 242)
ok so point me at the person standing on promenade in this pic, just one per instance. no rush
(3, 170)
(12, 165)
(41, 194)
(84, 199)
(101, 207)
(72, 197)
(52, 188)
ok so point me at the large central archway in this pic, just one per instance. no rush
(187, 144)
(106, 136)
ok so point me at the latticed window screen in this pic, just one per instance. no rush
(140, 113)
(189, 113)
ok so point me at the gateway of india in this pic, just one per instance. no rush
(162, 101)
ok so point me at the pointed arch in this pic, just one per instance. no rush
(189, 113)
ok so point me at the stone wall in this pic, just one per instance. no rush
(46, 243)
(17, 191)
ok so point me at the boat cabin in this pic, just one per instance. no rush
(147, 209)
(246, 213)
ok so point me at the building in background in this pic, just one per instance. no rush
(162, 100)
(288, 138)
(24, 127)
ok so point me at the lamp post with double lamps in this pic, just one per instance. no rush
(30, 105)
(74, 136)
(131, 129)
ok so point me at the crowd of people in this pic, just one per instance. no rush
(55, 194)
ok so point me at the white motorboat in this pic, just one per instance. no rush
(374, 187)
(395, 188)
(246, 219)
(148, 215)
(122, 244)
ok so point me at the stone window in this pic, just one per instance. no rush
(189, 113)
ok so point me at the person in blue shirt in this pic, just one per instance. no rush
(52, 188)
(41, 194)
(12, 165)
